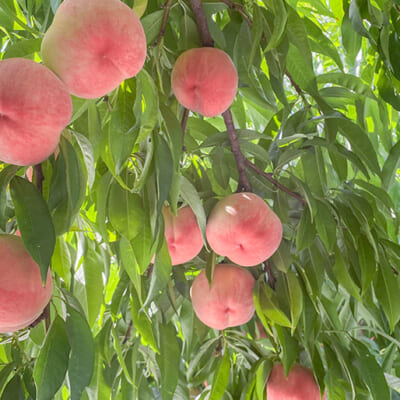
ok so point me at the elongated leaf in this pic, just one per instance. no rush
(52, 363)
(34, 222)
(81, 362)
(390, 167)
(125, 211)
(5, 176)
(221, 377)
(367, 261)
(168, 361)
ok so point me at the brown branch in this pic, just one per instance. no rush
(202, 25)
(183, 125)
(240, 9)
(128, 332)
(271, 277)
(269, 177)
(39, 178)
(296, 86)
(243, 184)
(45, 315)
(167, 7)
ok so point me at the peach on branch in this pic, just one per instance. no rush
(205, 80)
(182, 234)
(22, 294)
(243, 228)
(35, 106)
(229, 300)
(300, 384)
(94, 45)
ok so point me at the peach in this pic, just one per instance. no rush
(243, 228)
(229, 300)
(299, 385)
(183, 234)
(205, 80)
(94, 45)
(35, 107)
(22, 295)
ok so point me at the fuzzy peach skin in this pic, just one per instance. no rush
(229, 300)
(35, 107)
(299, 385)
(243, 228)
(205, 80)
(94, 45)
(22, 295)
(182, 234)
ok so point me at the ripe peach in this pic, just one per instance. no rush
(299, 385)
(243, 228)
(93, 45)
(35, 107)
(229, 300)
(22, 295)
(183, 234)
(205, 80)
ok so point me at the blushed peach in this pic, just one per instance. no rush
(299, 385)
(94, 45)
(35, 107)
(22, 295)
(243, 228)
(182, 234)
(205, 80)
(229, 300)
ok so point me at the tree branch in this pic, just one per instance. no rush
(243, 184)
(240, 9)
(39, 178)
(202, 25)
(269, 177)
(183, 125)
(167, 7)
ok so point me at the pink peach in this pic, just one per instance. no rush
(35, 107)
(243, 228)
(94, 45)
(229, 300)
(182, 234)
(22, 295)
(205, 80)
(300, 384)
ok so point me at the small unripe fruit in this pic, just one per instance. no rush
(22, 295)
(94, 45)
(243, 228)
(229, 300)
(35, 106)
(299, 385)
(182, 234)
(205, 80)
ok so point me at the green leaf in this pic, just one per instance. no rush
(125, 211)
(14, 389)
(94, 286)
(152, 24)
(67, 187)
(371, 372)
(278, 8)
(221, 377)
(290, 347)
(5, 176)
(34, 222)
(142, 322)
(305, 234)
(81, 362)
(266, 303)
(366, 256)
(295, 295)
(325, 225)
(391, 166)
(386, 287)
(168, 360)
(52, 364)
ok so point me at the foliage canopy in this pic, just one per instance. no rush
(317, 119)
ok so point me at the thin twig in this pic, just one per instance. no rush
(167, 7)
(183, 125)
(39, 178)
(296, 86)
(243, 183)
(271, 277)
(128, 332)
(269, 177)
(202, 25)
(240, 9)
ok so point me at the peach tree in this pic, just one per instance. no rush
(312, 129)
